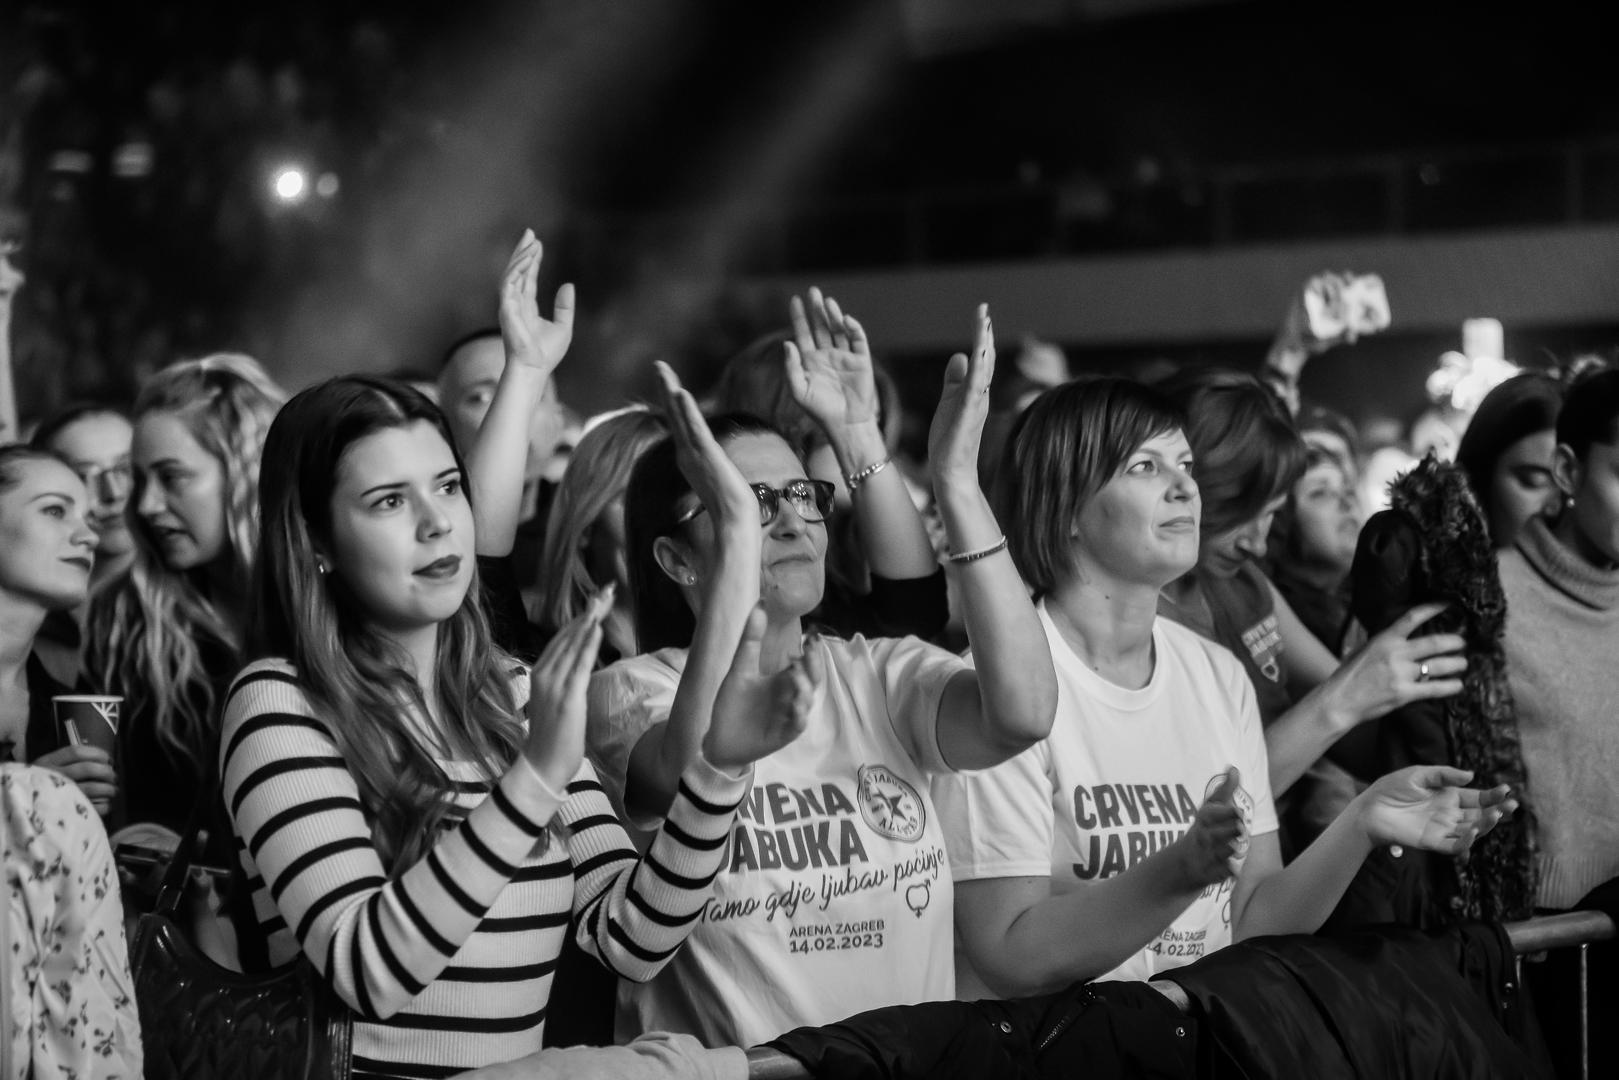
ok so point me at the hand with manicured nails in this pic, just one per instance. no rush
(556, 700)
(530, 338)
(89, 767)
(1214, 846)
(754, 714)
(1386, 673)
(713, 477)
(958, 423)
(1426, 807)
(829, 367)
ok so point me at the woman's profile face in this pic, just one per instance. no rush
(1142, 526)
(47, 546)
(1327, 514)
(1225, 553)
(792, 564)
(97, 447)
(1521, 486)
(181, 502)
(402, 535)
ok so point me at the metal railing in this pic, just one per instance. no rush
(1568, 930)
(1154, 207)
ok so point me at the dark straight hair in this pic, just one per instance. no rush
(1518, 407)
(662, 618)
(1590, 413)
(1248, 451)
(359, 681)
(1062, 449)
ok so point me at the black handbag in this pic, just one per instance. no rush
(202, 1021)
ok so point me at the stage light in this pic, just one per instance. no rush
(290, 184)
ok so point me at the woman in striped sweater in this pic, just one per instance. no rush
(413, 810)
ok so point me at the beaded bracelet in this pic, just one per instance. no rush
(855, 479)
(974, 556)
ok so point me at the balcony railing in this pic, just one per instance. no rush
(1389, 194)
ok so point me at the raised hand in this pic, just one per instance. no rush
(1394, 669)
(1426, 807)
(713, 477)
(1214, 846)
(958, 423)
(829, 368)
(530, 338)
(755, 715)
(556, 699)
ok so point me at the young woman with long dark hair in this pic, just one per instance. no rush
(415, 811)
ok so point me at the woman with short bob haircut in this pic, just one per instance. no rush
(1140, 833)
(421, 841)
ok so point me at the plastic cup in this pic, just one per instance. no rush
(88, 719)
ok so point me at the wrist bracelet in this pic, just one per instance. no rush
(855, 479)
(974, 556)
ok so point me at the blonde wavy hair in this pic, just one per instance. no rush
(152, 633)
(598, 472)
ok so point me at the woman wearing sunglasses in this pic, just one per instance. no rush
(834, 895)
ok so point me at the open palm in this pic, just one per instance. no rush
(1426, 807)
(829, 367)
(530, 338)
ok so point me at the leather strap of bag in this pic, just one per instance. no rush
(175, 877)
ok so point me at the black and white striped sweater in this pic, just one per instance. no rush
(448, 965)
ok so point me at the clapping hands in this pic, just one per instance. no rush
(755, 714)
(1424, 807)
(1214, 847)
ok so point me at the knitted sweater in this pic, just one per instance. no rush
(1562, 647)
(448, 963)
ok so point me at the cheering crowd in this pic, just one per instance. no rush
(738, 732)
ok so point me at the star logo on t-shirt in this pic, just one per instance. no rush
(890, 805)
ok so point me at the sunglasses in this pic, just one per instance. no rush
(811, 498)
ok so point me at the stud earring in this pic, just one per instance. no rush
(691, 579)
(321, 568)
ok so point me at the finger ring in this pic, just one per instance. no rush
(1422, 671)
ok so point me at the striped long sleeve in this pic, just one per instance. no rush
(448, 964)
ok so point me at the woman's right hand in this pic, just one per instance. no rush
(1214, 846)
(556, 699)
(713, 477)
(89, 767)
(755, 715)
(1388, 673)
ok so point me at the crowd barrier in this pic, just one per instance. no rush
(1568, 930)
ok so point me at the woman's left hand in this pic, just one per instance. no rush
(958, 423)
(530, 338)
(829, 367)
(1426, 807)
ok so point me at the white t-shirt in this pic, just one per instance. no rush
(835, 896)
(1120, 776)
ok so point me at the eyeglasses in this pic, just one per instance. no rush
(811, 498)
